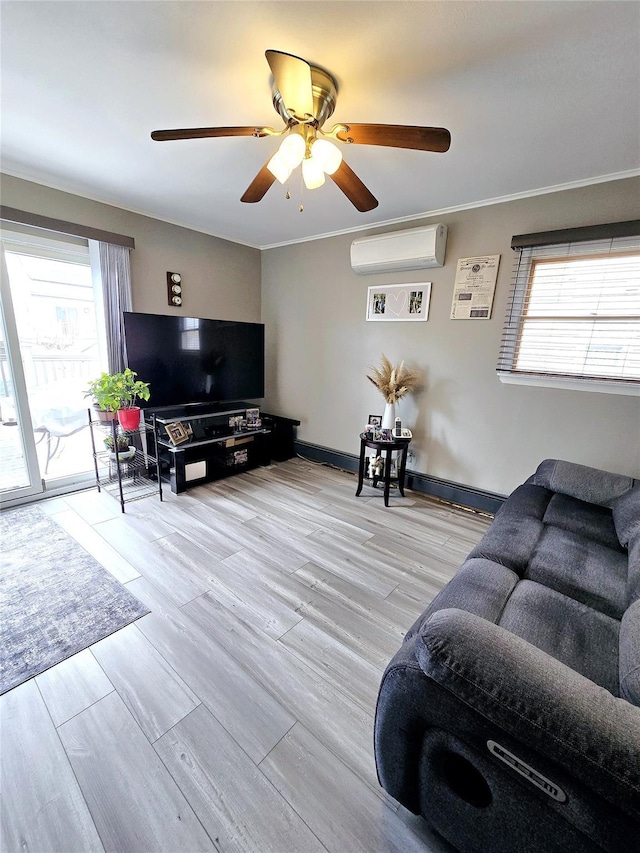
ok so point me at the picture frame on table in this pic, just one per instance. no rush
(375, 420)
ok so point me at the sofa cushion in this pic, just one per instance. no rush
(588, 520)
(510, 541)
(479, 587)
(630, 654)
(581, 481)
(626, 515)
(580, 637)
(581, 569)
(527, 500)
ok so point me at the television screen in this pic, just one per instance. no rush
(191, 360)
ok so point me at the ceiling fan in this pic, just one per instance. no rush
(305, 95)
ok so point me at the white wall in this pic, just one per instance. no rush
(221, 279)
(468, 427)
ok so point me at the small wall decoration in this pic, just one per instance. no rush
(474, 288)
(174, 289)
(406, 302)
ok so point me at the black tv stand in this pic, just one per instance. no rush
(216, 448)
(191, 410)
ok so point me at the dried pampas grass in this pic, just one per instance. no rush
(393, 382)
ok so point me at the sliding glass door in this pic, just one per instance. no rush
(54, 344)
(19, 470)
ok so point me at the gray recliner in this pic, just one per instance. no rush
(510, 717)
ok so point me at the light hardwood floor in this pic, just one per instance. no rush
(238, 714)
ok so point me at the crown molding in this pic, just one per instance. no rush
(81, 193)
(427, 214)
(572, 185)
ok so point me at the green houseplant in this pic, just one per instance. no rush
(122, 442)
(105, 399)
(124, 449)
(117, 393)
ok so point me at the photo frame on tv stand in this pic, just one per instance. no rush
(178, 433)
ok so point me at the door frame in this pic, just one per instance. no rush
(35, 485)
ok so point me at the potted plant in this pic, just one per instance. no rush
(393, 383)
(124, 449)
(118, 392)
(130, 389)
(105, 400)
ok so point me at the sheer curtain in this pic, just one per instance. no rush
(115, 274)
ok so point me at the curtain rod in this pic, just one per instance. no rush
(631, 228)
(23, 217)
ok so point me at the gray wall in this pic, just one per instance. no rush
(221, 278)
(468, 427)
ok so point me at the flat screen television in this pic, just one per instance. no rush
(193, 360)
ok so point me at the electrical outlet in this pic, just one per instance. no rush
(410, 456)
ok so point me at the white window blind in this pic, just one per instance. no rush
(574, 312)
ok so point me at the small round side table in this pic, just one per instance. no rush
(384, 449)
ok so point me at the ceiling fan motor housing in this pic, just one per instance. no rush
(325, 93)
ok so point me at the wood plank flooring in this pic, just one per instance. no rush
(238, 714)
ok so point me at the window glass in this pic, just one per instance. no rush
(574, 312)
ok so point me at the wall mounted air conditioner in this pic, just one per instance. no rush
(414, 249)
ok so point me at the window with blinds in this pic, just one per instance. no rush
(574, 313)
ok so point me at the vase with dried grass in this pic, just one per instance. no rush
(393, 383)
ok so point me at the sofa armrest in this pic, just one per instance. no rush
(536, 699)
(582, 482)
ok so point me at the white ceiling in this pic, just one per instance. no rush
(535, 94)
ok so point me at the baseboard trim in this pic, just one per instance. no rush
(434, 486)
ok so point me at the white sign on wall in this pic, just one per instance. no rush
(474, 288)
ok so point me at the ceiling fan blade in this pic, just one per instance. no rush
(351, 185)
(292, 77)
(398, 136)
(206, 132)
(258, 186)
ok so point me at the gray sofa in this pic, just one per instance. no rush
(510, 716)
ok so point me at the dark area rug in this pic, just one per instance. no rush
(55, 599)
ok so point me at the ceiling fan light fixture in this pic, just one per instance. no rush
(279, 168)
(292, 150)
(304, 96)
(312, 173)
(328, 155)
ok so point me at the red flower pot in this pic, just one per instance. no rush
(129, 418)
